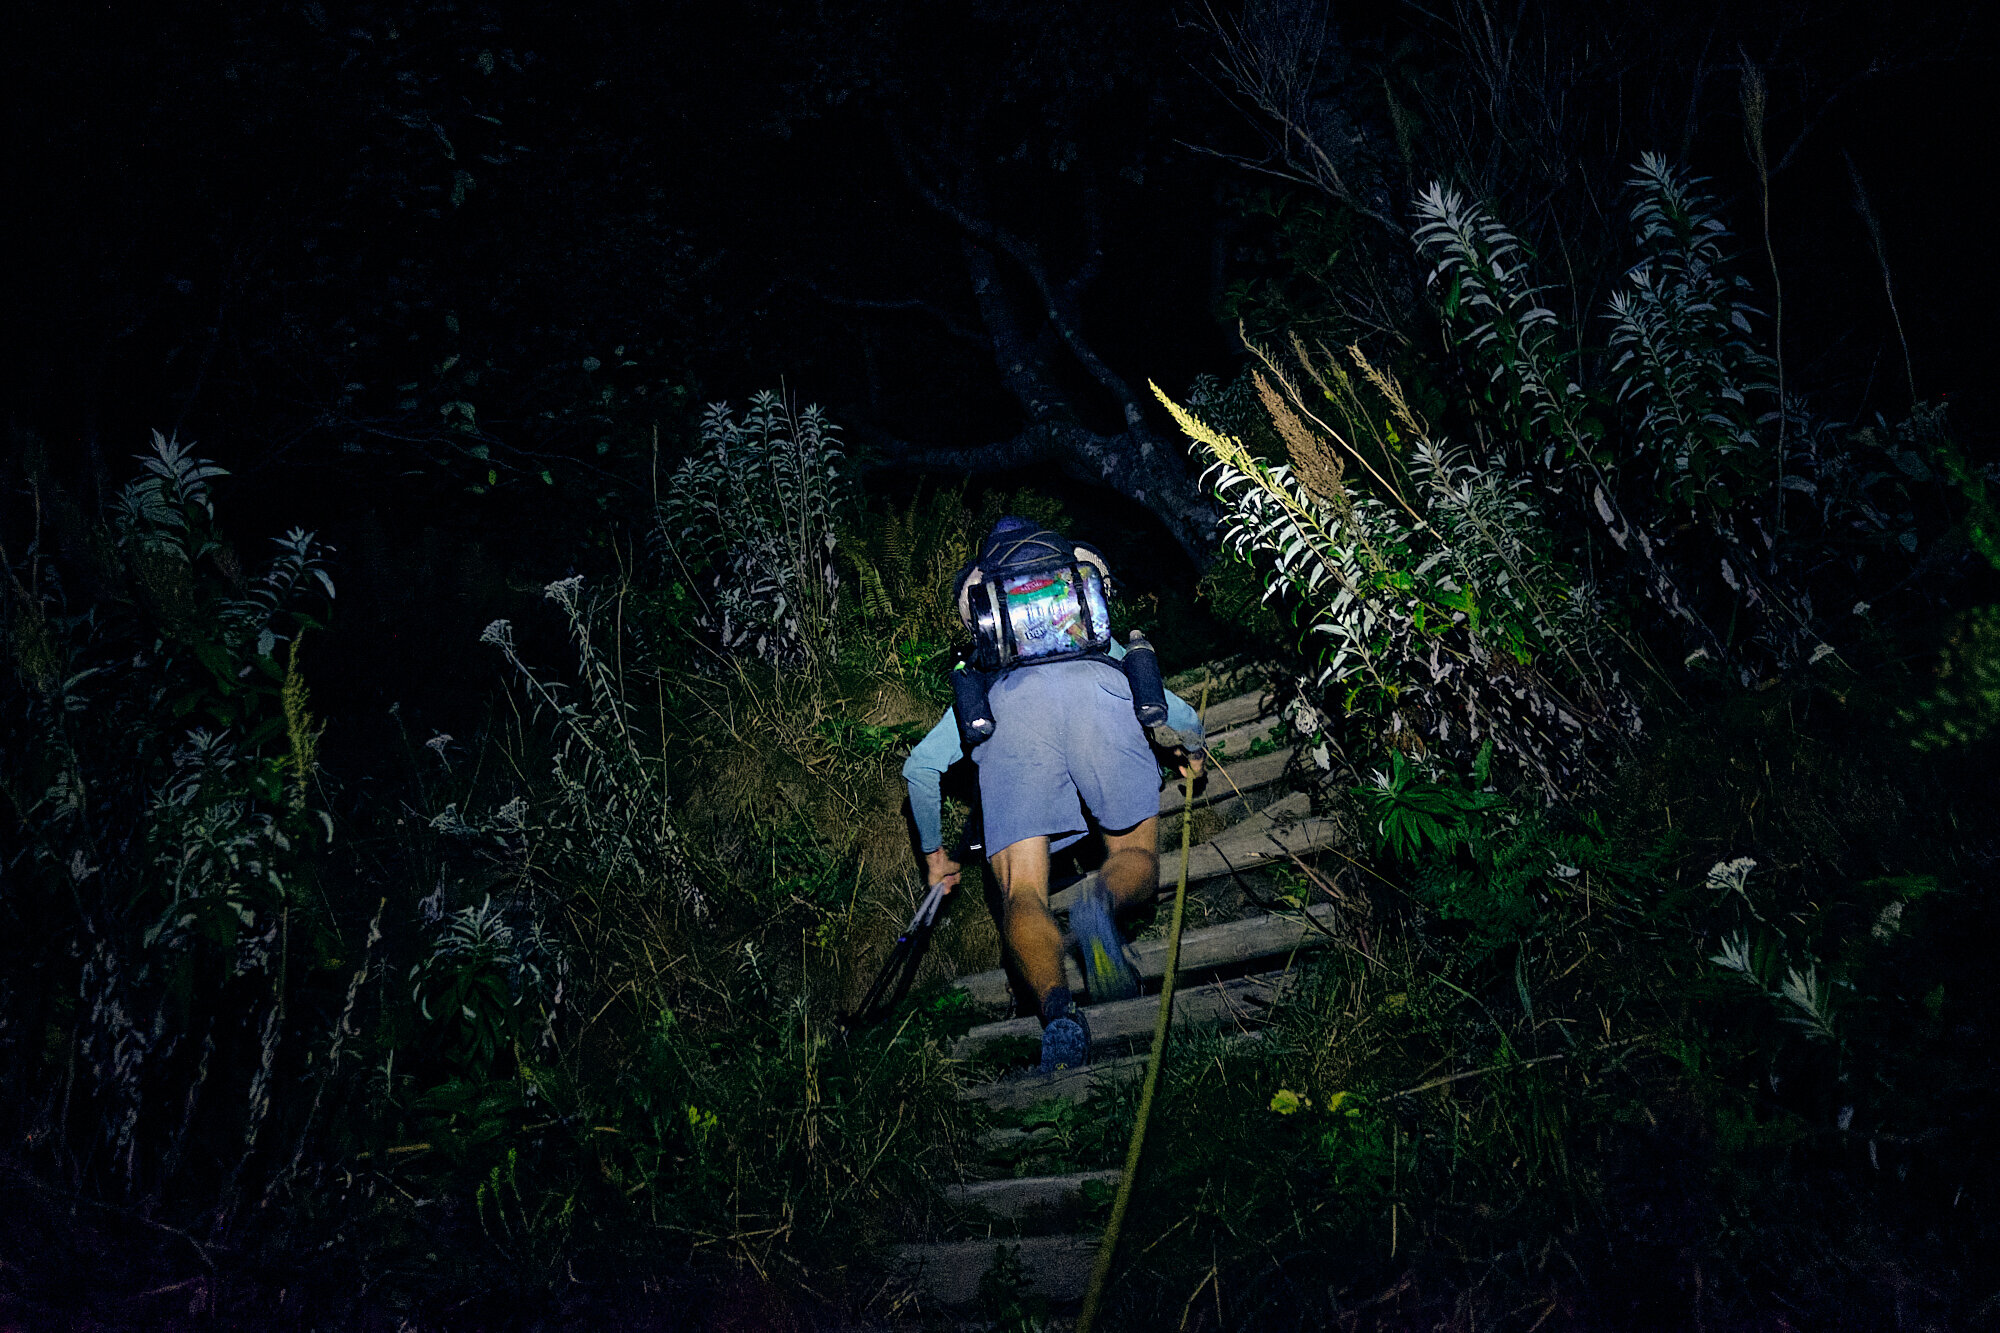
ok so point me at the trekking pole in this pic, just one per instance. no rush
(901, 967)
(1108, 1247)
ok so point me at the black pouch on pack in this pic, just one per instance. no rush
(969, 704)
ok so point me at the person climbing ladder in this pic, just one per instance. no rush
(1054, 713)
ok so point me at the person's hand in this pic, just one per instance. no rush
(1190, 765)
(939, 868)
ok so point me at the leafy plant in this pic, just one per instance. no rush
(753, 515)
(161, 767)
(1965, 706)
(1423, 579)
(475, 982)
(533, 1228)
(610, 814)
(1805, 1000)
(902, 561)
(1414, 814)
(1683, 353)
(1730, 509)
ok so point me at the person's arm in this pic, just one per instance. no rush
(1183, 719)
(924, 772)
(1183, 733)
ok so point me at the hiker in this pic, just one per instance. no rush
(1055, 714)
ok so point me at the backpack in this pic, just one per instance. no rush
(1032, 596)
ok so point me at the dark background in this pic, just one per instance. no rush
(288, 233)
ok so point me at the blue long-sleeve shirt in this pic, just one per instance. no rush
(938, 751)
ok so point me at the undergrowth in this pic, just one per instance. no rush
(1531, 1085)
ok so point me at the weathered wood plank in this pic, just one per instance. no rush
(1236, 741)
(1018, 1092)
(1226, 713)
(1241, 941)
(1057, 1268)
(1023, 1089)
(1241, 1000)
(1285, 827)
(988, 989)
(1010, 1141)
(1245, 775)
(1020, 1196)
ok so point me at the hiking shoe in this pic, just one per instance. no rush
(1065, 1045)
(1065, 1033)
(1105, 971)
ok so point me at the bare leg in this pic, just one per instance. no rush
(1131, 872)
(1030, 928)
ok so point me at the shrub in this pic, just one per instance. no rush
(161, 763)
(1424, 579)
(1745, 524)
(753, 517)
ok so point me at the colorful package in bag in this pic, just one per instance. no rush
(1056, 612)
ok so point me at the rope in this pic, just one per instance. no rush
(1108, 1247)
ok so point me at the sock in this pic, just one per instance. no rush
(1059, 1004)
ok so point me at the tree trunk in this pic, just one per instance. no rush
(1137, 462)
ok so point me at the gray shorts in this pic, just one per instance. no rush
(1064, 739)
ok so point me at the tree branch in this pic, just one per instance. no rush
(935, 311)
(1060, 304)
(1140, 470)
(1135, 462)
(1273, 71)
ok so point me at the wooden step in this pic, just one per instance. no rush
(1227, 806)
(1025, 1196)
(1235, 742)
(1241, 1000)
(1226, 713)
(1241, 941)
(1282, 829)
(1056, 1268)
(1011, 1141)
(1025, 1088)
(1243, 775)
